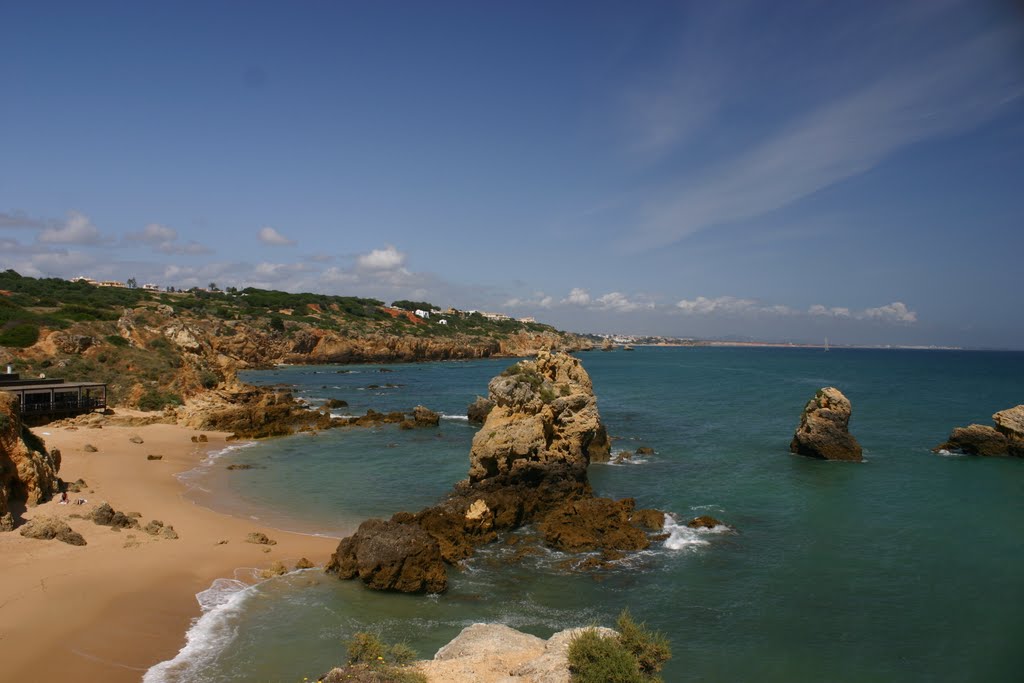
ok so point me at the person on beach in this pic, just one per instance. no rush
(64, 498)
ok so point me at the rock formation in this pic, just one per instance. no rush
(495, 652)
(1006, 438)
(544, 412)
(478, 410)
(824, 428)
(46, 528)
(28, 473)
(528, 464)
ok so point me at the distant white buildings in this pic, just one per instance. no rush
(442, 321)
(420, 313)
(150, 287)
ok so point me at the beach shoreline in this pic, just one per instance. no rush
(110, 610)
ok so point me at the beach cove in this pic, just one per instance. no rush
(844, 571)
(111, 609)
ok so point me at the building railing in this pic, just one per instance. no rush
(62, 406)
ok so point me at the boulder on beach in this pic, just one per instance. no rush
(46, 528)
(824, 428)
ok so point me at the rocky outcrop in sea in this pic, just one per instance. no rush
(528, 463)
(824, 428)
(1006, 438)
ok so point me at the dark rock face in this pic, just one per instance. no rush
(105, 515)
(824, 428)
(424, 417)
(388, 555)
(593, 524)
(1006, 438)
(478, 410)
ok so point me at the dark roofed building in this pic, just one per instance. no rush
(54, 397)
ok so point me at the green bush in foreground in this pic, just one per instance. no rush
(370, 660)
(634, 656)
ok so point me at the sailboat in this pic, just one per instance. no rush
(826, 344)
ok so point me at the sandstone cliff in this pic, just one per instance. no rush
(28, 474)
(824, 428)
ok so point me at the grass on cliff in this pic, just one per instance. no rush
(636, 655)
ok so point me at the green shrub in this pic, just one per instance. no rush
(158, 400)
(651, 649)
(594, 658)
(634, 656)
(208, 379)
(19, 336)
(276, 323)
(371, 660)
(159, 344)
(117, 340)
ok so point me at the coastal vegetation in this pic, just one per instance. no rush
(635, 655)
(157, 349)
(371, 660)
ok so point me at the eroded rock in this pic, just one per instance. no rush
(824, 428)
(51, 527)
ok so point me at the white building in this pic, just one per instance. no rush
(420, 313)
(150, 287)
(442, 321)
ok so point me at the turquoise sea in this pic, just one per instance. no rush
(907, 567)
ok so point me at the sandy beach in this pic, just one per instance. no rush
(109, 610)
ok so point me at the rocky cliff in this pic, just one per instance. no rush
(824, 428)
(28, 474)
(529, 461)
(1006, 438)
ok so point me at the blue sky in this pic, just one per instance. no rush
(785, 171)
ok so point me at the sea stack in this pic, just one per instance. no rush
(528, 463)
(824, 428)
(1006, 438)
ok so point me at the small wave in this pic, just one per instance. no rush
(946, 453)
(210, 633)
(681, 537)
(463, 418)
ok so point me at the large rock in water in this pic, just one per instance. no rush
(1006, 438)
(528, 460)
(544, 412)
(824, 428)
(28, 473)
(391, 556)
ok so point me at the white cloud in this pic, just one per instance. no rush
(897, 311)
(578, 297)
(78, 229)
(619, 302)
(387, 258)
(268, 235)
(834, 312)
(190, 248)
(153, 233)
(722, 304)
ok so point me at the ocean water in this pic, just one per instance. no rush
(907, 567)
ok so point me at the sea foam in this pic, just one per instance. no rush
(208, 636)
(681, 537)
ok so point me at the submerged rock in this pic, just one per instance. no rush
(824, 428)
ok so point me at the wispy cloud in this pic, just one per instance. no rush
(272, 237)
(826, 136)
(19, 219)
(896, 312)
